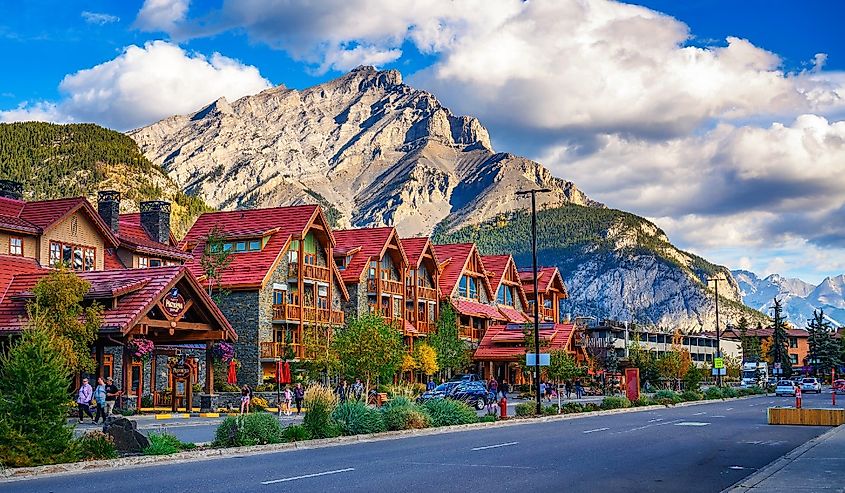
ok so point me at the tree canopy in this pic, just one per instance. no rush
(368, 347)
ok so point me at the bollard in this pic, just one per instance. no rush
(503, 408)
(798, 398)
(832, 386)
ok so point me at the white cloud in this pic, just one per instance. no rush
(145, 84)
(39, 111)
(99, 18)
(161, 15)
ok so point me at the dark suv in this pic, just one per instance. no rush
(472, 393)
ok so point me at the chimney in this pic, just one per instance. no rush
(108, 205)
(155, 218)
(11, 189)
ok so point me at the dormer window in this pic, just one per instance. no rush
(240, 246)
(505, 295)
(469, 287)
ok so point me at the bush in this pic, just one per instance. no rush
(265, 387)
(691, 395)
(729, 392)
(667, 397)
(146, 401)
(446, 412)
(615, 402)
(525, 409)
(355, 418)
(591, 406)
(320, 402)
(163, 444)
(572, 407)
(550, 410)
(96, 445)
(713, 393)
(258, 404)
(402, 414)
(295, 433)
(642, 400)
(249, 429)
(487, 418)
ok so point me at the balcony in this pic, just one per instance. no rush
(286, 312)
(307, 314)
(309, 271)
(547, 313)
(468, 332)
(276, 350)
(423, 293)
(387, 286)
(425, 327)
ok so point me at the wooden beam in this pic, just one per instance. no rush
(164, 324)
(209, 368)
(215, 335)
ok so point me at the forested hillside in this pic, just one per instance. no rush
(55, 161)
(616, 265)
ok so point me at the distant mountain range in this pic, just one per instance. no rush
(799, 298)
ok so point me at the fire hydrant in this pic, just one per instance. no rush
(798, 398)
(503, 408)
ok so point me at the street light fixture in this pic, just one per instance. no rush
(533, 193)
(716, 281)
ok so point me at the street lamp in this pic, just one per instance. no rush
(533, 193)
(716, 281)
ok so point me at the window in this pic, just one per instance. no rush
(793, 358)
(473, 288)
(340, 262)
(793, 342)
(278, 297)
(505, 295)
(15, 246)
(89, 259)
(371, 272)
(155, 262)
(323, 297)
(240, 246)
(76, 257)
(463, 289)
(143, 263)
(254, 245)
(55, 253)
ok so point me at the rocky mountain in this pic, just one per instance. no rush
(616, 265)
(376, 150)
(799, 298)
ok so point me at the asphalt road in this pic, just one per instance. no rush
(703, 448)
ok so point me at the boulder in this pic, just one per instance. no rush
(125, 434)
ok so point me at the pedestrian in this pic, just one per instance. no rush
(504, 389)
(340, 391)
(358, 389)
(100, 398)
(568, 388)
(542, 388)
(494, 387)
(112, 392)
(83, 399)
(246, 395)
(579, 389)
(298, 396)
(430, 385)
(288, 399)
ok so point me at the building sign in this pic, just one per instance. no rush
(718, 363)
(173, 303)
(531, 359)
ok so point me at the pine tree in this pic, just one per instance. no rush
(751, 350)
(823, 353)
(33, 401)
(779, 351)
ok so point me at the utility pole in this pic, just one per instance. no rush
(533, 194)
(716, 281)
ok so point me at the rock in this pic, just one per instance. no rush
(125, 434)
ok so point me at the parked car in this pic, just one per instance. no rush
(839, 386)
(466, 377)
(473, 393)
(785, 387)
(811, 385)
(439, 392)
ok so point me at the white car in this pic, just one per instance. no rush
(785, 387)
(811, 385)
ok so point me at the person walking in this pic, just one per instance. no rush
(358, 389)
(493, 386)
(568, 388)
(112, 393)
(504, 389)
(579, 389)
(542, 388)
(298, 396)
(246, 396)
(430, 385)
(288, 398)
(340, 391)
(83, 399)
(100, 398)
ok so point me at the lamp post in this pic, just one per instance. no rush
(716, 281)
(533, 193)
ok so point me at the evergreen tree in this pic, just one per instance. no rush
(33, 401)
(452, 352)
(823, 351)
(751, 350)
(779, 351)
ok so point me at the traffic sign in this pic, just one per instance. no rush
(718, 371)
(718, 363)
(531, 358)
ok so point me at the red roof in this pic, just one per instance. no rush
(415, 248)
(547, 278)
(506, 343)
(38, 216)
(373, 244)
(453, 257)
(10, 266)
(476, 309)
(138, 290)
(513, 315)
(134, 236)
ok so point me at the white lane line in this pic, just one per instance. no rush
(655, 420)
(304, 476)
(699, 414)
(495, 446)
(593, 431)
(691, 423)
(716, 416)
(729, 409)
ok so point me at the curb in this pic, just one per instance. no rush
(751, 482)
(23, 473)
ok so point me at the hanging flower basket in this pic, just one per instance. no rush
(224, 351)
(141, 348)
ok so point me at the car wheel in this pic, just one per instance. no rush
(479, 404)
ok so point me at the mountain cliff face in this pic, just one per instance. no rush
(798, 297)
(377, 150)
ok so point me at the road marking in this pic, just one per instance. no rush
(495, 446)
(593, 431)
(717, 416)
(699, 414)
(691, 423)
(729, 409)
(638, 428)
(468, 465)
(305, 476)
(736, 468)
(655, 420)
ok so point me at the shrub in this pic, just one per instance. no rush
(146, 401)
(729, 392)
(525, 409)
(591, 406)
(402, 414)
(266, 387)
(355, 418)
(691, 395)
(320, 402)
(713, 393)
(96, 445)
(403, 389)
(446, 412)
(572, 407)
(487, 418)
(615, 402)
(667, 397)
(250, 429)
(163, 444)
(550, 410)
(295, 433)
(642, 400)
(258, 404)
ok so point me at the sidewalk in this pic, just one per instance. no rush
(815, 466)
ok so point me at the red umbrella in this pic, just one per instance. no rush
(280, 372)
(232, 378)
(286, 376)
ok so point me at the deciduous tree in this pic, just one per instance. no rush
(452, 352)
(368, 347)
(214, 261)
(426, 359)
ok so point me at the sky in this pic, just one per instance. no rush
(721, 121)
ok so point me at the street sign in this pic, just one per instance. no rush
(719, 363)
(531, 358)
(718, 371)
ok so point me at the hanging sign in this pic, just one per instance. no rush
(173, 303)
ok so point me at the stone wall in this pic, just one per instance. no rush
(243, 310)
(232, 400)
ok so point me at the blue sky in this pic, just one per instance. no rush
(695, 114)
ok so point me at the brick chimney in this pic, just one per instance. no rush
(11, 189)
(108, 205)
(155, 218)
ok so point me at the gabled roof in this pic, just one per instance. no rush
(476, 309)
(133, 236)
(497, 267)
(506, 342)
(548, 278)
(138, 290)
(11, 265)
(39, 216)
(373, 244)
(454, 258)
(251, 270)
(416, 247)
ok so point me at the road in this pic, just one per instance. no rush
(702, 448)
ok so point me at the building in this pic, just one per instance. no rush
(281, 292)
(422, 285)
(797, 341)
(505, 281)
(551, 291)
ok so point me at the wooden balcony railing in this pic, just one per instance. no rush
(274, 350)
(547, 313)
(425, 293)
(425, 327)
(309, 271)
(468, 332)
(285, 311)
(307, 314)
(392, 287)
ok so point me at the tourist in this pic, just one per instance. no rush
(358, 389)
(298, 396)
(288, 399)
(100, 398)
(430, 385)
(542, 388)
(246, 395)
(493, 386)
(568, 388)
(83, 399)
(340, 391)
(504, 389)
(112, 392)
(579, 389)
